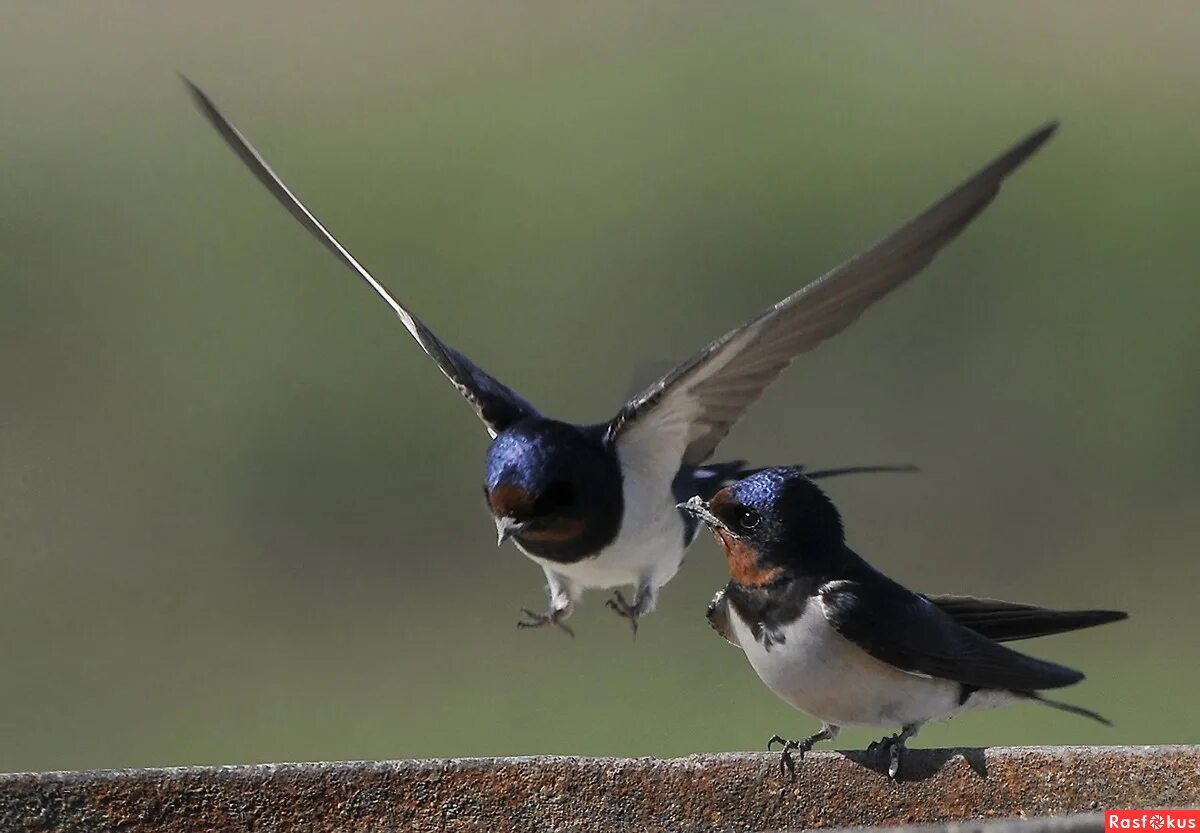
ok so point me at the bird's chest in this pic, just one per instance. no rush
(811, 666)
(648, 545)
(650, 555)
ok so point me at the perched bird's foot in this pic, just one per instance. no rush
(893, 746)
(625, 610)
(786, 762)
(553, 617)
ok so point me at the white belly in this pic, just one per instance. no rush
(649, 547)
(822, 673)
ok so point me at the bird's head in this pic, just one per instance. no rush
(773, 523)
(551, 485)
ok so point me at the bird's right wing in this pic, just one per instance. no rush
(495, 404)
(909, 632)
(1006, 621)
(680, 418)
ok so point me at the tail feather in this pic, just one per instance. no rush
(902, 468)
(712, 477)
(1007, 621)
(1061, 706)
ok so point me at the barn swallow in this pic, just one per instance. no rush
(837, 639)
(595, 505)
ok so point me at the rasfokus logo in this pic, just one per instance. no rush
(1152, 820)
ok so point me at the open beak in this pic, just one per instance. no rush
(697, 507)
(506, 527)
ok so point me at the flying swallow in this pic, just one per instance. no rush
(842, 642)
(595, 505)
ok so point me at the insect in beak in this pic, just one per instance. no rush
(697, 507)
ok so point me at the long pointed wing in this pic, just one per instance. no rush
(495, 404)
(1007, 621)
(692, 408)
(909, 632)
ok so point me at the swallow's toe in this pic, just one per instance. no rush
(893, 746)
(540, 620)
(624, 609)
(618, 603)
(787, 763)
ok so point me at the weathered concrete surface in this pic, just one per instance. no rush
(741, 792)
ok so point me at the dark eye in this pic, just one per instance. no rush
(749, 519)
(558, 495)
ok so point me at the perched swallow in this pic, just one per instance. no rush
(595, 505)
(842, 642)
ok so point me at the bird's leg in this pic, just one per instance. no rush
(786, 762)
(562, 602)
(644, 600)
(894, 745)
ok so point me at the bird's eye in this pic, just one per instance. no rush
(558, 495)
(749, 519)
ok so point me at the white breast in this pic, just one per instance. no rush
(820, 672)
(649, 547)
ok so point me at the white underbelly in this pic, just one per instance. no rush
(822, 673)
(648, 549)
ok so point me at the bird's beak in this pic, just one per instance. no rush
(697, 507)
(506, 527)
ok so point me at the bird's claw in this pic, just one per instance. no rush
(787, 763)
(538, 620)
(893, 745)
(625, 610)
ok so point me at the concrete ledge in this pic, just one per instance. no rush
(741, 792)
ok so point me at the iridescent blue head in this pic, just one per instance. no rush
(555, 488)
(774, 520)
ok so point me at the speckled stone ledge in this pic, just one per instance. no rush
(732, 792)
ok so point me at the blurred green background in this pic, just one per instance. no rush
(241, 510)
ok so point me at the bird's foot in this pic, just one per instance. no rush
(625, 610)
(893, 746)
(786, 762)
(555, 617)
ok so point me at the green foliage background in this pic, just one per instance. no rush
(240, 509)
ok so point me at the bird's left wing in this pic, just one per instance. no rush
(495, 404)
(909, 632)
(682, 416)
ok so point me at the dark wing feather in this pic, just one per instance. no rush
(495, 404)
(693, 407)
(1006, 621)
(911, 633)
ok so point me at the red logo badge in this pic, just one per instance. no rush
(1151, 821)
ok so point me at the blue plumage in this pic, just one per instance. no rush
(594, 506)
(835, 637)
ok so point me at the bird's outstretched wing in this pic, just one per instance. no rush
(1007, 621)
(495, 404)
(690, 409)
(911, 633)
